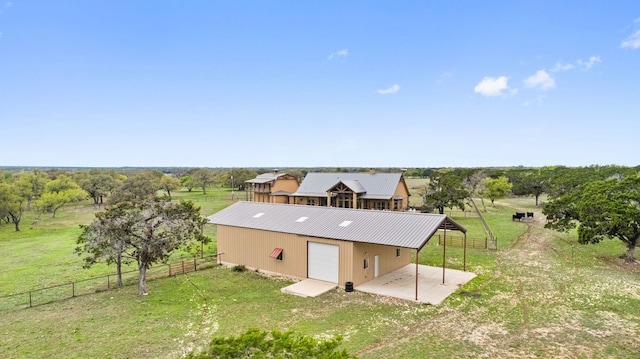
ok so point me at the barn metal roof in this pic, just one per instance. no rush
(376, 185)
(398, 229)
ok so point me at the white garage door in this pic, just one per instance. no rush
(323, 261)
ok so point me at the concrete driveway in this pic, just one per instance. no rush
(402, 283)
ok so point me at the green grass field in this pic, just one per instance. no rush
(540, 295)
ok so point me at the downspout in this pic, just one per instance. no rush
(444, 251)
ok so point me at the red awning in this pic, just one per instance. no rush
(276, 253)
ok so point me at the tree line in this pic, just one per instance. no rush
(139, 222)
(49, 191)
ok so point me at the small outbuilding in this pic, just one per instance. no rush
(336, 245)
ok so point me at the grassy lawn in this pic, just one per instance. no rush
(44, 243)
(540, 295)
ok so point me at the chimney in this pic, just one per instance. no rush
(372, 171)
(275, 171)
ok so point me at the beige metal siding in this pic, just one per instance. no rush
(251, 248)
(388, 260)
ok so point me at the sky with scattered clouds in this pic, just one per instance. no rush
(319, 84)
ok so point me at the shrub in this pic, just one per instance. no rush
(239, 268)
(256, 343)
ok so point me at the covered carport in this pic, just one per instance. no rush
(419, 283)
(423, 283)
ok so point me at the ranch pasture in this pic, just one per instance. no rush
(539, 295)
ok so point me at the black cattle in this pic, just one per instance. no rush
(530, 214)
(518, 216)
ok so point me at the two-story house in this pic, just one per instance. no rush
(382, 191)
(272, 187)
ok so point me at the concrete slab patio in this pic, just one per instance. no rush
(402, 283)
(308, 288)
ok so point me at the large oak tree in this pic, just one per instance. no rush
(58, 193)
(445, 190)
(146, 232)
(98, 183)
(600, 209)
(140, 186)
(494, 188)
(204, 177)
(12, 205)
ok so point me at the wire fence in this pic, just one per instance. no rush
(460, 213)
(458, 241)
(103, 283)
(493, 240)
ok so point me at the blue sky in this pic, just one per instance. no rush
(327, 83)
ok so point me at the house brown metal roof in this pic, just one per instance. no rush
(391, 228)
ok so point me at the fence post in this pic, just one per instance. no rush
(195, 265)
(108, 282)
(73, 289)
(30, 305)
(183, 266)
(169, 269)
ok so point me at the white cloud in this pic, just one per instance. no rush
(339, 53)
(589, 63)
(8, 4)
(391, 90)
(541, 80)
(490, 86)
(444, 76)
(562, 67)
(632, 42)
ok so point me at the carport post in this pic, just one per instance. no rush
(464, 260)
(417, 251)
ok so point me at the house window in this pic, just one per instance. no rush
(397, 252)
(343, 201)
(381, 205)
(366, 263)
(311, 202)
(397, 204)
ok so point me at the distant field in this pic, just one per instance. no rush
(415, 184)
(42, 253)
(540, 295)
